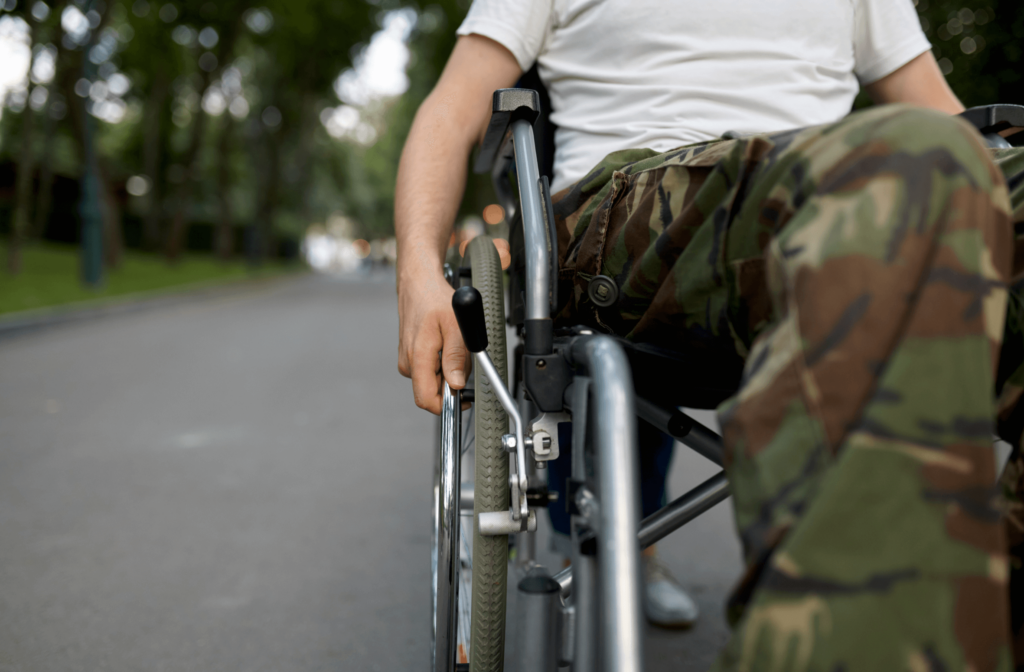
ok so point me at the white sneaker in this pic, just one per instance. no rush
(665, 602)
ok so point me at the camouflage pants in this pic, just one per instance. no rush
(861, 271)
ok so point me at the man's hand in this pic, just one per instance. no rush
(430, 345)
(427, 327)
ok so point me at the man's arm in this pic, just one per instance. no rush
(919, 82)
(431, 180)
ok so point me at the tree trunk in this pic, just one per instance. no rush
(176, 235)
(23, 194)
(270, 193)
(111, 224)
(43, 200)
(225, 229)
(308, 121)
(113, 231)
(152, 144)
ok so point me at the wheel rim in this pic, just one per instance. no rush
(445, 539)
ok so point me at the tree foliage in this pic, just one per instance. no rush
(220, 113)
(208, 112)
(980, 47)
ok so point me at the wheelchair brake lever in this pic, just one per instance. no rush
(469, 311)
(520, 508)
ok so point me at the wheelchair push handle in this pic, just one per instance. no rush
(469, 311)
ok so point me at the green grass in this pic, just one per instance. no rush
(50, 276)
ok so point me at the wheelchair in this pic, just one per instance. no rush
(589, 615)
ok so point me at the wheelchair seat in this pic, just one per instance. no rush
(695, 379)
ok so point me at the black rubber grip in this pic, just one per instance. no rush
(995, 118)
(507, 106)
(469, 311)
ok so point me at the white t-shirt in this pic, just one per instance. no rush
(659, 74)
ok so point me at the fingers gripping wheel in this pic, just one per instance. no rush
(469, 311)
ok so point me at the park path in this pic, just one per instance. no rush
(242, 483)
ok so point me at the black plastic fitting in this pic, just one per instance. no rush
(469, 311)
(539, 336)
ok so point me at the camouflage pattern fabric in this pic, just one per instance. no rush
(861, 271)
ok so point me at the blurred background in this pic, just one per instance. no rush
(145, 142)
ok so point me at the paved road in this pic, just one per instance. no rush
(241, 483)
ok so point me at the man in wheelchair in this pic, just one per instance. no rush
(714, 195)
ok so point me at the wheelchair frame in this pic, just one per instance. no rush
(561, 618)
(589, 376)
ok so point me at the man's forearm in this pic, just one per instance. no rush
(431, 179)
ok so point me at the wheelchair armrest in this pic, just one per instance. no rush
(508, 105)
(1006, 121)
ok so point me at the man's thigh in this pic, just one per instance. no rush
(683, 233)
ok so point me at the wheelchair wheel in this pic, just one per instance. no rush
(490, 554)
(445, 541)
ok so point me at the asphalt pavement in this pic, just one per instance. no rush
(242, 483)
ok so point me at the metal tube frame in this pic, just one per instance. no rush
(539, 621)
(619, 516)
(520, 509)
(534, 231)
(585, 598)
(682, 510)
(615, 429)
(666, 520)
(696, 436)
(614, 574)
(446, 525)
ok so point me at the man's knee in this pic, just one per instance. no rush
(934, 166)
(923, 136)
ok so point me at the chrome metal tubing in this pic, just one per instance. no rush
(446, 526)
(534, 231)
(699, 438)
(539, 619)
(568, 643)
(585, 597)
(618, 488)
(564, 581)
(682, 510)
(483, 361)
(667, 520)
(704, 441)
(502, 186)
(588, 611)
(526, 542)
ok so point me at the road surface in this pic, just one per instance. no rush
(243, 483)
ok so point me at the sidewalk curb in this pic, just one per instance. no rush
(23, 322)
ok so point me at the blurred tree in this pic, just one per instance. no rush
(299, 56)
(219, 112)
(212, 47)
(224, 245)
(980, 47)
(153, 63)
(369, 173)
(38, 27)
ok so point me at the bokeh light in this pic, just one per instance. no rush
(494, 214)
(362, 248)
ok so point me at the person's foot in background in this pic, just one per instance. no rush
(666, 604)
